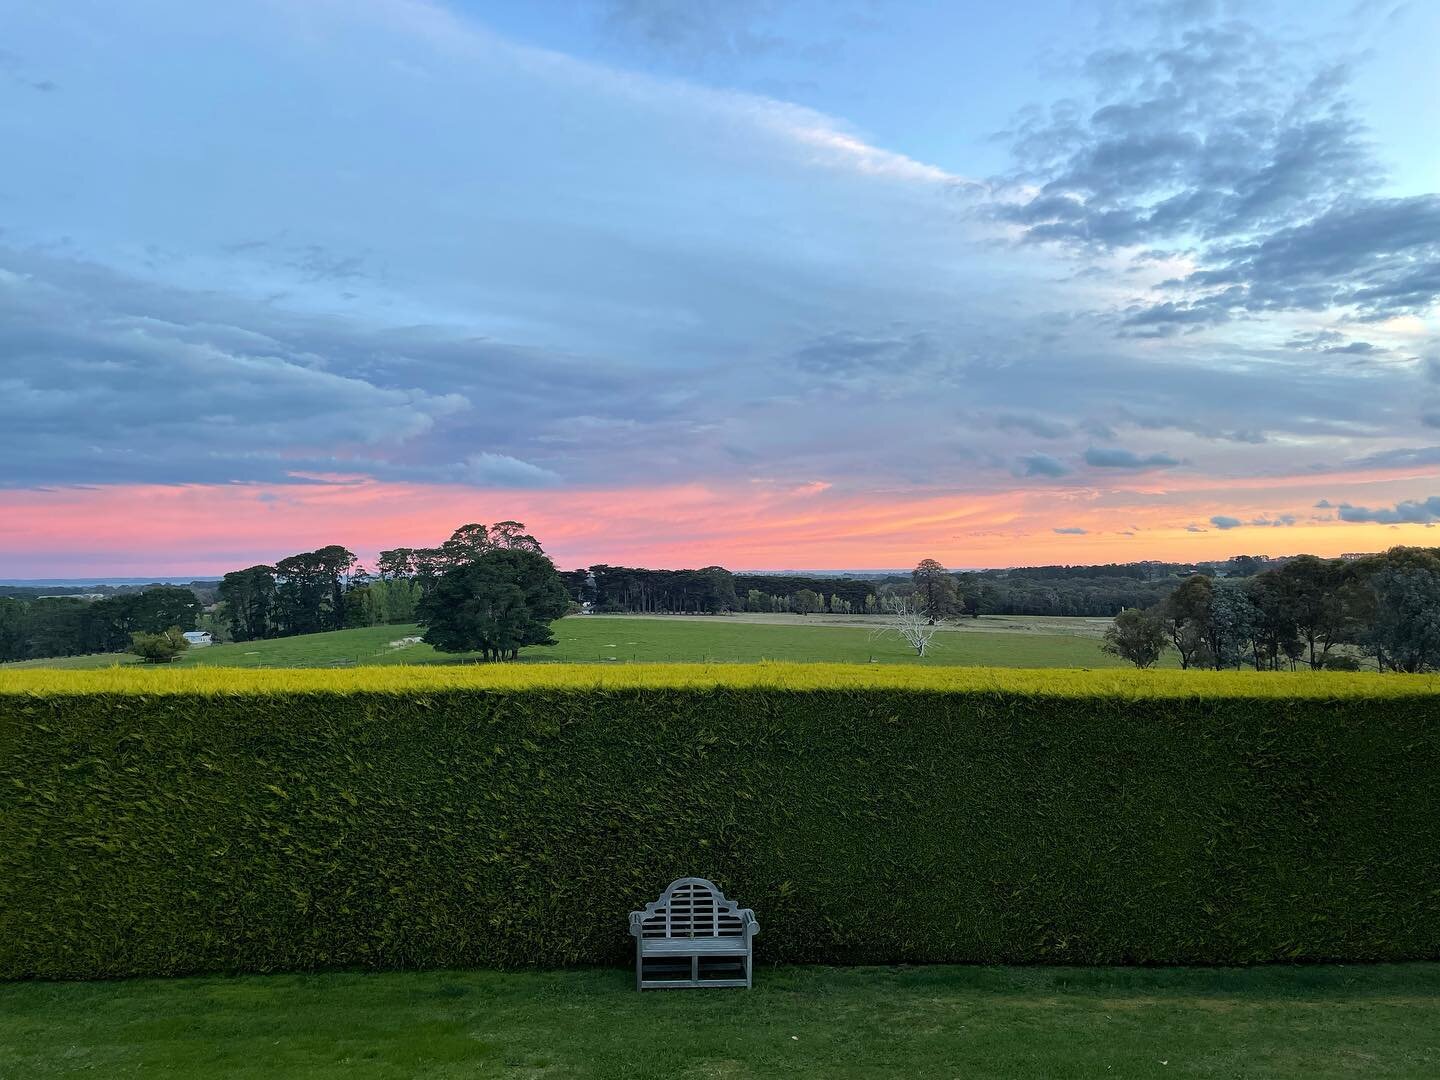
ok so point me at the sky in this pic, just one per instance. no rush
(769, 284)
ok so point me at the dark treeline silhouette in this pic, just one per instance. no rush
(1247, 611)
(1306, 612)
(709, 590)
(73, 625)
(328, 589)
(1101, 591)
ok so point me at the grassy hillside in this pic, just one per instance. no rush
(629, 638)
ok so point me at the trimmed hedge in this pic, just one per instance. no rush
(160, 822)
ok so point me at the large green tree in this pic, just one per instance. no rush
(1319, 592)
(495, 604)
(1137, 636)
(1405, 634)
(339, 565)
(936, 589)
(310, 590)
(249, 599)
(1187, 618)
(162, 606)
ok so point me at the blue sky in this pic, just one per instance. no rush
(1045, 281)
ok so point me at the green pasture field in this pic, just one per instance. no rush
(609, 639)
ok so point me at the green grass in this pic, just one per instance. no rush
(1381, 1021)
(605, 640)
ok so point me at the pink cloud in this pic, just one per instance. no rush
(202, 530)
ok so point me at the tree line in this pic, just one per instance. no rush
(328, 589)
(41, 626)
(1099, 591)
(1309, 612)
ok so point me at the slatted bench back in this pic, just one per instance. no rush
(691, 907)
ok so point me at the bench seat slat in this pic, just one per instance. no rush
(706, 946)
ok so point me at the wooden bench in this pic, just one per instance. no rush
(692, 936)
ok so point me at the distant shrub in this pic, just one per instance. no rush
(167, 821)
(159, 648)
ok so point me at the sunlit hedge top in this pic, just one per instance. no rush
(770, 676)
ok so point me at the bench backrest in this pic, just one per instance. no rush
(691, 907)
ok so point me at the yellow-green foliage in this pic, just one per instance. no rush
(160, 821)
(582, 677)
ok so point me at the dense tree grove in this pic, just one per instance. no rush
(72, 625)
(495, 602)
(709, 590)
(300, 594)
(1304, 612)
(327, 589)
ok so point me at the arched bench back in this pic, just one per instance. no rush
(692, 907)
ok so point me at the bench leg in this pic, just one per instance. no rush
(747, 969)
(639, 965)
(695, 969)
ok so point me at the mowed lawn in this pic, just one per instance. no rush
(833, 1023)
(603, 639)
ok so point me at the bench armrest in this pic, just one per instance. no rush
(637, 918)
(747, 922)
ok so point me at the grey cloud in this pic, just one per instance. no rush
(14, 68)
(1044, 465)
(735, 38)
(1039, 426)
(845, 355)
(1378, 256)
(1220, 521)
(106, 379)
(1408, 512)
(1197, 133)
(1071, 531)
(1120, 458)
(1195, 529)
(1333, 343)
(1220, 133)
(1194, 427)
(317, 263)
(503, 471)
(694, 30)
(1401, 457)
(1317, 339)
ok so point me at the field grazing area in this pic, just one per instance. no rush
(1285, 1022)
(998, 641)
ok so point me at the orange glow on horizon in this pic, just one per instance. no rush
(207, 529)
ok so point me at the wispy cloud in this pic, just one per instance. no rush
(1115, 457)
(1408, 512)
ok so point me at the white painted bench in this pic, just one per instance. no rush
(692, 936)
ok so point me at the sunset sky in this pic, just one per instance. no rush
(768, 284)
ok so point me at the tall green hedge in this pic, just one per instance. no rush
(297, 830)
